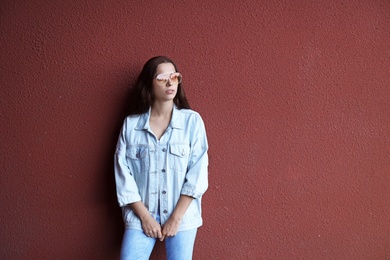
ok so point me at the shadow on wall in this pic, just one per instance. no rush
(113, 237)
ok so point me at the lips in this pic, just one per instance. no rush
(170, 91)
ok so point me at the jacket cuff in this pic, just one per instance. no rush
(191, 193)
(125, 200)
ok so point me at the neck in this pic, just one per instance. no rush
(162, 109)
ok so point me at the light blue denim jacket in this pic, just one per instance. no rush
(157, 172)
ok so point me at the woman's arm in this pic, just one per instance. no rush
(172, 224)
(126, 187)
(196, 182)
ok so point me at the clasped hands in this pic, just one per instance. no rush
(153, 229)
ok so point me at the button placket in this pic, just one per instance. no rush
(162, 178)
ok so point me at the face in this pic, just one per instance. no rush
(165, 91)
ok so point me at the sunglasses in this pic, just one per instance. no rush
(174, 78)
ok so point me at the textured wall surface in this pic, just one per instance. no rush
(296, 100)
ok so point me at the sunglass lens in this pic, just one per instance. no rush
(162, 79)
(176, 78)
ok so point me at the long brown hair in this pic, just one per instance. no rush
(142, 97)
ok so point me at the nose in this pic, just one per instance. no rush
(169, 83)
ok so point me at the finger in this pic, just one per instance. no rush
(163, 230)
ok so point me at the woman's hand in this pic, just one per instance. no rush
(170, 228)
(151, 227)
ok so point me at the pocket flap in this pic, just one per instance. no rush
(179, 150)
(136, 152)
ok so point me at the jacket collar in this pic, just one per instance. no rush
(176, 120)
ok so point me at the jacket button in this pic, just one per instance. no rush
(163, 170)
(165, 211)
(164, 150)
(164, 192)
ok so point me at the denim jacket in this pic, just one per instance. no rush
(157, 172)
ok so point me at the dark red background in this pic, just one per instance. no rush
(295, 96)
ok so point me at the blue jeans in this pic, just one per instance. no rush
(136, 245)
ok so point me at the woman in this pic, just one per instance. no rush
(161, 165)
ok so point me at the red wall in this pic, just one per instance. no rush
(295, 96)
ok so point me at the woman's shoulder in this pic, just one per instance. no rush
(190, 114)
(189, 117)
(132, 120)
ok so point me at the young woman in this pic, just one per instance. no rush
(161, 165)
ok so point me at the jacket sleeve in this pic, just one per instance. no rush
(196, 181)
(126, 188)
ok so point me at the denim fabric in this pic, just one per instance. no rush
(136, 245)
(157, 172)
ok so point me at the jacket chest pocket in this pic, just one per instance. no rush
(178, 157)
(138, 159)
